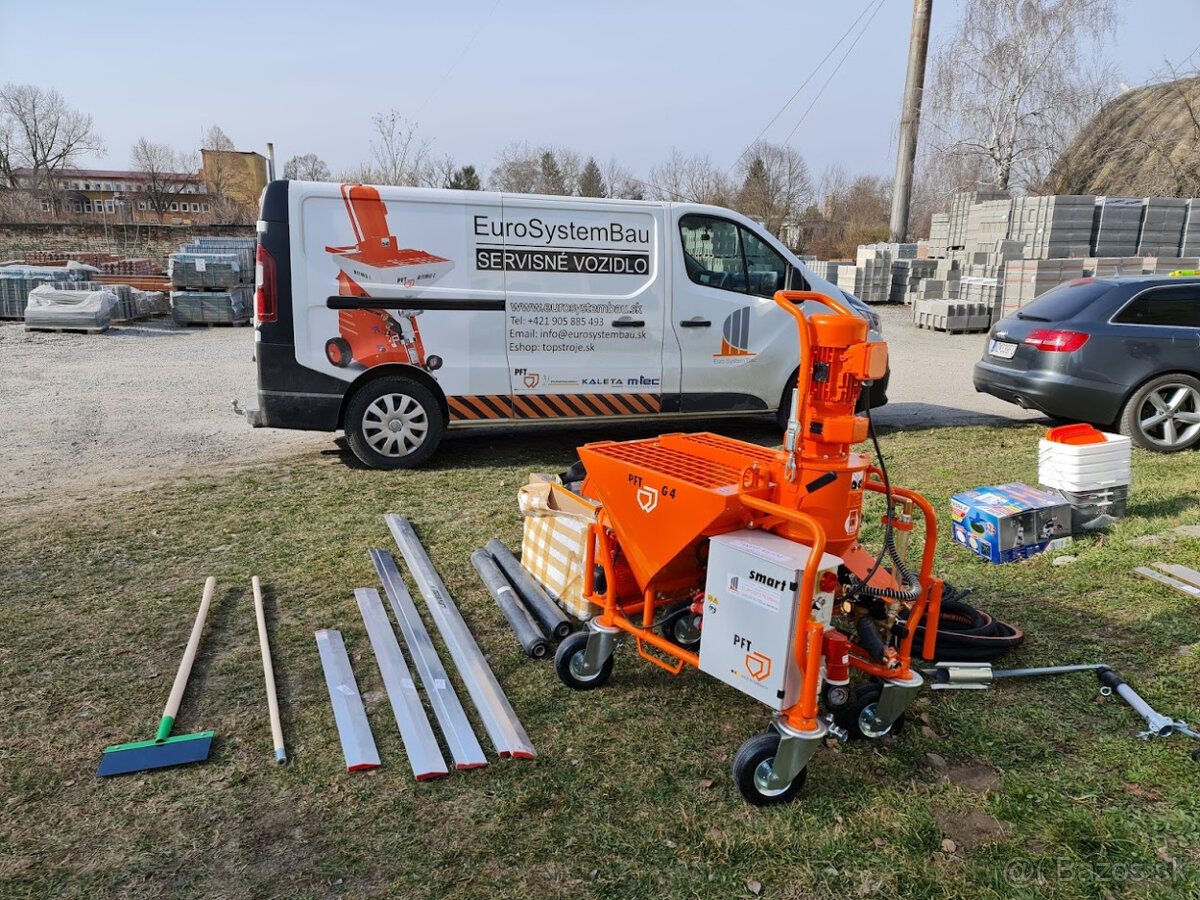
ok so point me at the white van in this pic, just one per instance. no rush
(394, 313)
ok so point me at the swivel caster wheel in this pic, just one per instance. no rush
(569, 664)
(752, 768)
(857, 715)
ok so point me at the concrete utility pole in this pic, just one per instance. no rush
(914, 86)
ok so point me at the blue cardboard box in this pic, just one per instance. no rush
(1006, 522)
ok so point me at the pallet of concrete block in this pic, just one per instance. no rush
(1165, 265)
(1162, 226)
(1116, 225)
(1113, 266)
(952, 316)
(194, 271)
(245, 249)
(1054, 227)
(17, 281)
(231, 307)
(131, 305)
(50, 309)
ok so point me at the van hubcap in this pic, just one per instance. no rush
(395, 425)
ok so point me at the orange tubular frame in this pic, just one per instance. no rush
(807, 451)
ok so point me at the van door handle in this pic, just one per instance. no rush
(695, 322)
(624, 322)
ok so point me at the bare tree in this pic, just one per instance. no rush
(525, 169)
(854, 210)
(162, 167)
(1013, 84)
(40, 132)
(694, 179)
(307, 167)
(221, 175)
(776, 185)
(622, 183)
(398, 156)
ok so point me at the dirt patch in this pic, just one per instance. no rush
(970, 829)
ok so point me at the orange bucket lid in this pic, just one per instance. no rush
(1076, 434)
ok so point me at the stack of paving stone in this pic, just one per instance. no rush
(908, 276)
(49, 309)
(939, 235)
(1162, 226)
(960, 211)
(229, 307)
(871, 277)
(1165, 265)
(16, 282)
(1027, 279)
(208, 286)
(1113, 266)
(1190, 246)
(243, 248)
(954, 316)
(1116, 224)
(1054, 227)
(131, 305)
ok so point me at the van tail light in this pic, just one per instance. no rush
(265, 308)
(1056, 341)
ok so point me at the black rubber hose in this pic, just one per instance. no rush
(869, 639)
(531, 638)
(552, 619)
(966, 634)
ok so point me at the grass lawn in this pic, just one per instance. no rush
(1039, 788)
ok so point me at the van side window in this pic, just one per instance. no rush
(1175, 306)
(721, 254)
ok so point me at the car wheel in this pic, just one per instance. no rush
(1164, 414)
(393, 423)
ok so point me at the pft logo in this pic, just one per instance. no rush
(758, 666)
(647, 499)
(529, 379)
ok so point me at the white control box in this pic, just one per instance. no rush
(751, 607)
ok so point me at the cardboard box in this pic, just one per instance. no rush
(1007, 522)
(553, 543)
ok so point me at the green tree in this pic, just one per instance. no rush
(591, 183)
(464, 179)
(550, 179)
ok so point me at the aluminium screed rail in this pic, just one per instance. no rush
(464, 746)
(499, 719)
(358, 745)
(419, 741)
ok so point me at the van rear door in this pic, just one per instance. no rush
(585, 300)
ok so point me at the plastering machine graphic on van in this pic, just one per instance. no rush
(370, 337)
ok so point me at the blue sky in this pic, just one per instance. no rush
(624, 81)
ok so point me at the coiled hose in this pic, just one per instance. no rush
(966, 634)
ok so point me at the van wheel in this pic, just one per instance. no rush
(393, 423)
(785, 402)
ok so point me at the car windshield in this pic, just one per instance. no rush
(1065, 301)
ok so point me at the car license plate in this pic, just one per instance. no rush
(1002, 349)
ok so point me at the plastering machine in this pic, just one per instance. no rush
(757, 552)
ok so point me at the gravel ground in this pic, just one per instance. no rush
(88, 415)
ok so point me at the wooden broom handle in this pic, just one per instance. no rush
(189, 655)
(268, 672)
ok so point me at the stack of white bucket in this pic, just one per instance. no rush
(1093, 476)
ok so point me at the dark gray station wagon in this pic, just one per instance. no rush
(1119, 353)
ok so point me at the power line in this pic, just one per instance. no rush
(466, 48)
(849, 49)
(804, 84)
